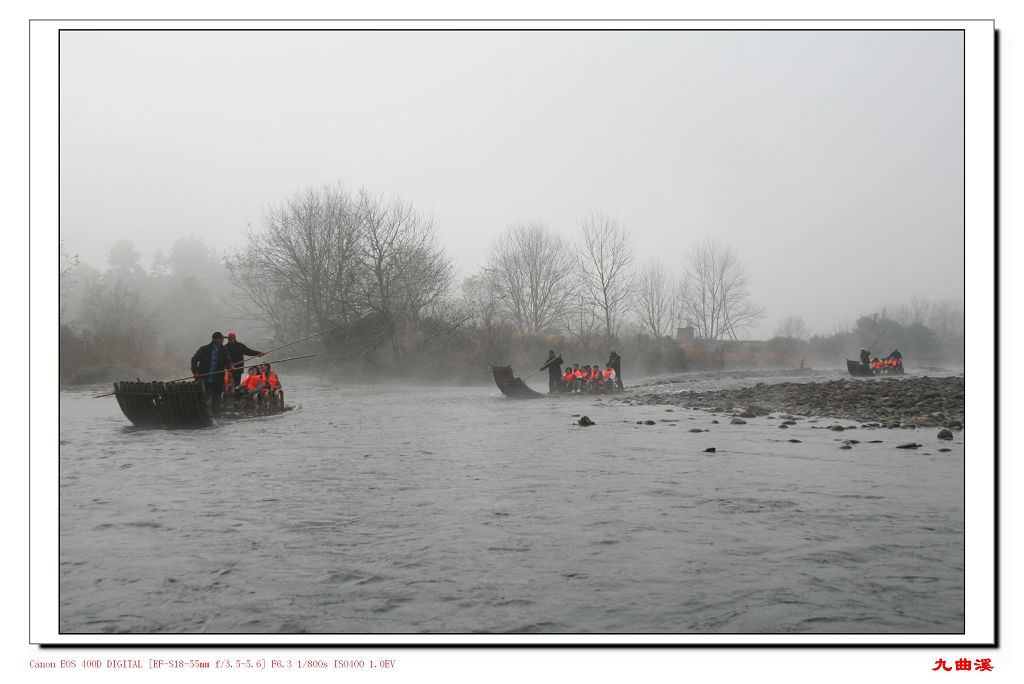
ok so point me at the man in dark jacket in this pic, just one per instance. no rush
(615, 361)
(554, 366)
(237, 351)
(208, 366)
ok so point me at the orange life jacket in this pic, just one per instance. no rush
(595, 374)
(273, 381)
(577, 373)
(607, 373)
(252, 381)
(568, 376)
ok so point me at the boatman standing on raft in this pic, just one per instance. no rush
(554, 366)
(615, 361)
(208, 366)
(237, 352)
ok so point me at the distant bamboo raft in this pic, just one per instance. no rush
(164, 404)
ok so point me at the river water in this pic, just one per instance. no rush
(382, 510)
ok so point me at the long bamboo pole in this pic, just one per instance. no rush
(302, 340)
(556, 356)
(203, 375)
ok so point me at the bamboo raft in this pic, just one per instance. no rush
(164, 404)
(183, 404)
(515, 388)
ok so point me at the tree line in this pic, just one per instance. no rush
(372, 269)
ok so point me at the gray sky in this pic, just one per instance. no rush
(833, 161)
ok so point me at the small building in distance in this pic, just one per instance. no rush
(684, 336)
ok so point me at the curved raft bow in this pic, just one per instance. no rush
(512, 386)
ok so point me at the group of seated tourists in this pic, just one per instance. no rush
(260, 387)
(886, 365)
(588, 378)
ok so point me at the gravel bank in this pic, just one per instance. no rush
(882, 402)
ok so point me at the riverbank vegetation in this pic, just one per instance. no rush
(373, 270)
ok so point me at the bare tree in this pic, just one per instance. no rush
(264, 294)
(715, 294)
(114, 318)
(604, 262)
(582, 322)
(531, 271)
(947, 319)
(68, 263)
(654, 300)
(918, 311)
(402, 268)
(300, 271)
(480, 298)
(792, 327)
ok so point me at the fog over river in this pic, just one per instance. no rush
(394, 509)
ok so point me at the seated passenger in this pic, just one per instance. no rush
(251, 385)
(609, 376)
(577, 377)
(273, 386)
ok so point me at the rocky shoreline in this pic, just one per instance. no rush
(874, 402)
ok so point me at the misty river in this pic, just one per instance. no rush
(388, 509)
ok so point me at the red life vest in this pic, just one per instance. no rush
(272, 380)
(607, 373)
(568, 376)
(252, 381)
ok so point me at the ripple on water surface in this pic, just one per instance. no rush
(393, 510)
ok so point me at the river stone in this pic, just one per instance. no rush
(908, 445)
(837, 428)
(709, 450)
(648, 422)
(714, 422)
(846, 446)
(945, 434)
(585, 421)
(738, 421)
(944, 450)
(696, 430)
(748, 414)
(796, 441)
(783, 426)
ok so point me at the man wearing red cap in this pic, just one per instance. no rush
(237, 352)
